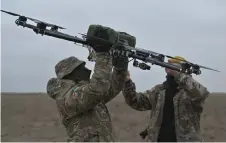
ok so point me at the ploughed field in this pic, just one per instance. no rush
(33, 117)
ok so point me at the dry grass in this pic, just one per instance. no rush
(33, 117)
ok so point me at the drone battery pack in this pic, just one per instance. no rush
(100, 34)
(129, 38)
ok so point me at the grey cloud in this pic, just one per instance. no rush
(193, 29)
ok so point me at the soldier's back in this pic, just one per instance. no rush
(91, 125)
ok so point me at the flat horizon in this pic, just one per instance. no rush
(20, 93)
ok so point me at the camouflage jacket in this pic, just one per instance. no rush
(82, 105)
(188, 106)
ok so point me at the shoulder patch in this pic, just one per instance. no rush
(74, 90)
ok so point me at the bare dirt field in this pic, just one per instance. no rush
(33, 117)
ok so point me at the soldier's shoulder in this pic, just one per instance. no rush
(157, 88)
(57, 86)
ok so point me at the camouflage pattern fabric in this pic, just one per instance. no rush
(101, 32)
(188, 104)
(82, 105)
(66, 66)
(125, 36)
(108, 34)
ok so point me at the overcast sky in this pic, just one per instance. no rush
(194, 29)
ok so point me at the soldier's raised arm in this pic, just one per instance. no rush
(140, 101)
(197, 90)
(120, 64)
(118, 77)
(85, 97)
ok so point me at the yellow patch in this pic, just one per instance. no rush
(177, 60)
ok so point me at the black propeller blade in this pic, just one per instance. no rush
(47, 24)
(10, 13)
(193, 64)
(208, 68)
(35, 20)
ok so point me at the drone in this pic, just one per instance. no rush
(144, 55)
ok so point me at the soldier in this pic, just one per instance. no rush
(176, 106)
(81, 100)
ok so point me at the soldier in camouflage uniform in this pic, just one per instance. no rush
(176, 106)
(81, 101)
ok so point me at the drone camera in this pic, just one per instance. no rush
(142, 66)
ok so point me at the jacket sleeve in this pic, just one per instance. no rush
(140, 101)
(117, 83)
(85, 97)
(197, 91)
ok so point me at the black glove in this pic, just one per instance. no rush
(120, 62)
(144, 133)
(100, 48)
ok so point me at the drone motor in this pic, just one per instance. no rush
(54, 28)
(41, 27)
(21, 21)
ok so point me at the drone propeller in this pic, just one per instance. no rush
(208, 68)
(47, 24)
(192, 63)
(53, 26)
(10, 13)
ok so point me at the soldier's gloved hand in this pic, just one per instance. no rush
(101, 48)
(120, 62)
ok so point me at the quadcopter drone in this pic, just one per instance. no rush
(136, 53)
